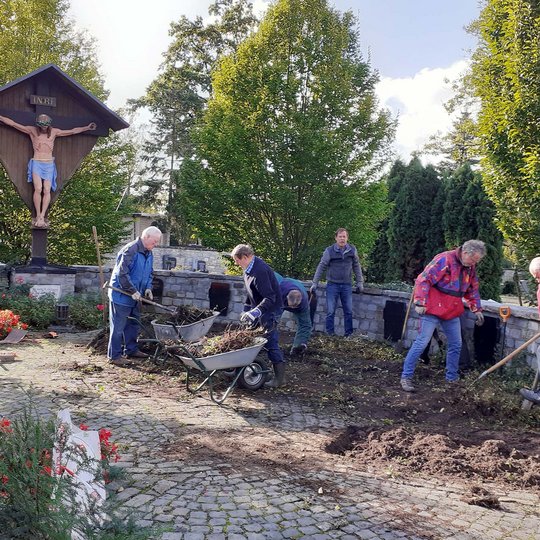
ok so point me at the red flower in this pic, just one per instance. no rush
(104, 435)
(4, 479)
(100, 307)
(84, 427)
(4, 426)
(46, 470)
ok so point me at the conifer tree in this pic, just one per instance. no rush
(410, 220)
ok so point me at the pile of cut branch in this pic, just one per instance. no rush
(184, 315)
(230, 340)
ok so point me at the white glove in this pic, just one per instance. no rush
(148, 294)
(420, 309)
(136, 296)
(312, 289)
(479, 318)
(250, 317)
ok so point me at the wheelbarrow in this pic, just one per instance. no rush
(247, 370)
(186, 332)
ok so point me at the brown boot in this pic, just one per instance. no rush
(279, 376)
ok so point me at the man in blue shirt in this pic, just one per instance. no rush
(295, 300)
(132, 274)
(339, 261)
(263, 305)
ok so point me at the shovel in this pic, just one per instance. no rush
(508, 357)
(399, 344)
(504, 314)
(143, 299)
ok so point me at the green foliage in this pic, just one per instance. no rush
(39, 504)
(470, 214)
(429, 215)
(506, 77)
(178, 96)
(33, 33)
(38, 313)
(414, 190)
(290, 142)
(27, 508)
(85, 313)
(459, 146)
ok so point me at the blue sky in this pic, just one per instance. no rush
(415, 45)
(405, 36)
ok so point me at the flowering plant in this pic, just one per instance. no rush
(9, 321)
(109, 451)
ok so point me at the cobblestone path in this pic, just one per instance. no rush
(234, 498)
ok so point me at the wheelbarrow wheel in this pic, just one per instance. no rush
(254, 375)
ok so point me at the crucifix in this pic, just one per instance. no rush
(48, 124)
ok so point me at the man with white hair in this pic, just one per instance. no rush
(132, 274)
(534, 269)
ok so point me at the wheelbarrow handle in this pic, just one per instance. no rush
(143, 299)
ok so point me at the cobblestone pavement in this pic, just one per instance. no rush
(236, 499)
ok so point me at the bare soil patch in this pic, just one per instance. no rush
(475, 432)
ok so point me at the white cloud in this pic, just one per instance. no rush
(418, 102)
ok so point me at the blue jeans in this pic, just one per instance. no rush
(304, 326)
(343, 291)
(123, 330)
(269, 321)
(452, 330)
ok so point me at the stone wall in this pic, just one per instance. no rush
(190, 258)
(193, 288)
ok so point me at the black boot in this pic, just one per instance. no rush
(279, 376)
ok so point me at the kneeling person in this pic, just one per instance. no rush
(295, 300)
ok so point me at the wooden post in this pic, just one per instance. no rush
(104, 298)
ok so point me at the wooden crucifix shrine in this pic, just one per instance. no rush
(48, 124)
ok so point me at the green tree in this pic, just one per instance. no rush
(410, 220)
(506, 77)
(33, 33)
(291, 141)
(460, 145)
(473, 217)
(377, 270)
(178, 96)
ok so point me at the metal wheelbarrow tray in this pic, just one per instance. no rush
(186, 332)
(247, 370)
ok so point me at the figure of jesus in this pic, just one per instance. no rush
(42, 168)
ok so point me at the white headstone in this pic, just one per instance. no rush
(40, 290)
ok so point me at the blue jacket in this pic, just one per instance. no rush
(132, 272)
(286, 285)
(339, 265)
(262, 288)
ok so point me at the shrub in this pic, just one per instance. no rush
(85, 312)
(37, 312)
(39, 502)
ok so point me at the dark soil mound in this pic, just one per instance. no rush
(439, 455)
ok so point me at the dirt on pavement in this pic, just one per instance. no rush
(475, 432)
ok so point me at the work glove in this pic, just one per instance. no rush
(148, 294)
(479, 318)
(136, 296)
(421, 310)
(250, 317)
(359, 288)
